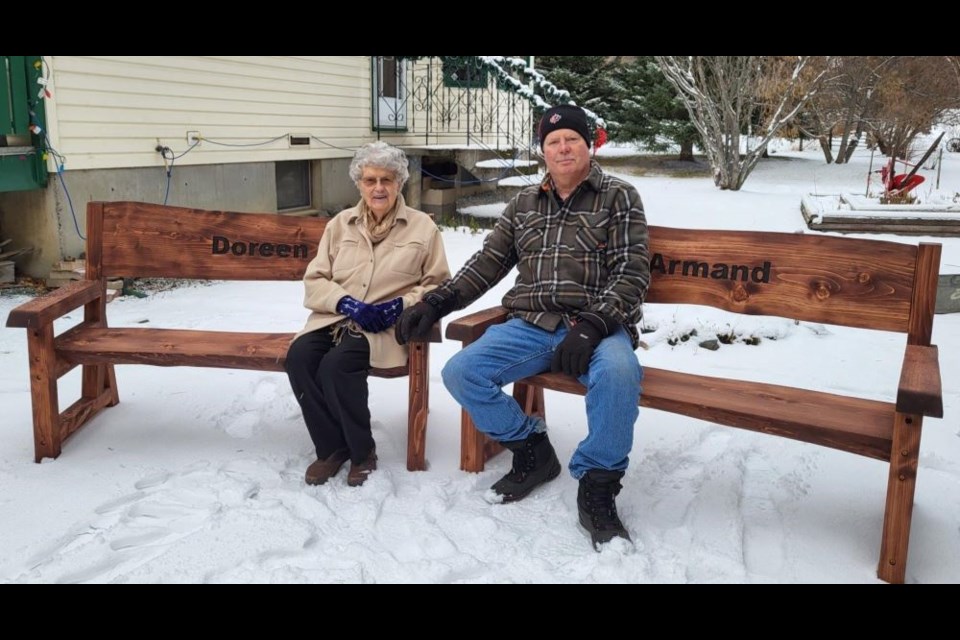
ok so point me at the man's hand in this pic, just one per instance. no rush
(366, 315)
(573, 354)
(415, 322)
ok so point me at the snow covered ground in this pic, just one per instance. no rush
(197, 475)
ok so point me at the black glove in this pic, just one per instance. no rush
(415, 321)
(573, 354)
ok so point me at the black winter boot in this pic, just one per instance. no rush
(597, 506)
(534, 462)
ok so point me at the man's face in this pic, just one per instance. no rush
(567, 155)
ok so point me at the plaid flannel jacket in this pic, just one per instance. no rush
(589, 253)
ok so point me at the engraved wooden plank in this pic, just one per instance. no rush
(147, 240)
(844, 281)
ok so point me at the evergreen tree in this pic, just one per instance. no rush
(591, 81)
(634, 98)
(649, 110)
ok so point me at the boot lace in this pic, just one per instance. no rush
(601, 504)
(524, 461)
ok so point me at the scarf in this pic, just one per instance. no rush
(379, 230)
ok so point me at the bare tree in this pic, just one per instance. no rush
(891, 99)
(914, 93)
(722, 95)
(844, 103)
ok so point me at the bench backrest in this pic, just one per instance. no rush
(869, 284)
(137, 239)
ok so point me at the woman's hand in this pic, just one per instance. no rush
(366, 315)
(373, 318)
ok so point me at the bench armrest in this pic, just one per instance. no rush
(470, 327)
(920, 390)
(47, 308)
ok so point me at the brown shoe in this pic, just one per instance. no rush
(359, 472)
(322, 470)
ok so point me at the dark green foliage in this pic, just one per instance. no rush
(633, 98)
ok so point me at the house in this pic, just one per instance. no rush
(241, 133)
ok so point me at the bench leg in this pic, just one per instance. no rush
(530, 399)
(43, 392)
(900, 489)
(99, 380)
(50, 426)
(419, 405)
(475, 447)
(473, 444)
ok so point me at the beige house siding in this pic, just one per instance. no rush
(110, 112)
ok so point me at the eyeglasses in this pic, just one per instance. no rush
(370, 183)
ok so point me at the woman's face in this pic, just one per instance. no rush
(379, 188)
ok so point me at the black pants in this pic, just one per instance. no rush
(330, 383)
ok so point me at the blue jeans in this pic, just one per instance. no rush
(517, 349)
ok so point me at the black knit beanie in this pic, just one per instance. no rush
(565, 116)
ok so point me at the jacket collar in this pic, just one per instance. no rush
(593, 180)
(353, 214)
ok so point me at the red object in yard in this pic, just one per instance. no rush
(899, 183)
(600, 139)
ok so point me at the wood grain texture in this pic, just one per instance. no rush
(418, 406)
(133, 239)
(468, 328)
(920, 390)
(43, 392)
(924, 295)
(843, 281)
(55, 304)
(182, 348)
(856, 425)
(147, 240)
(901, 485)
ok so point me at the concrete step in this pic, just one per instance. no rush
(500, 168)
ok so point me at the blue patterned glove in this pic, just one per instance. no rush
(366, 315)
(390, 311)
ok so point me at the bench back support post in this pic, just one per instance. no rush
(901, 485)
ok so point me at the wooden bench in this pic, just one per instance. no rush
(133, 239)
(867, 284)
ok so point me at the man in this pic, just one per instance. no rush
(579, 241)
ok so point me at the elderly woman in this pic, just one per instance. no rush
(373, 261)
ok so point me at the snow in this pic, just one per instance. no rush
(197, 475)
(501, 163)
(848, 205)
(491, 210)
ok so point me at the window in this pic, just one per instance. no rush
(293, 184)
(464, 72)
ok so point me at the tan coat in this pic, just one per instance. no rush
(409, 262)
